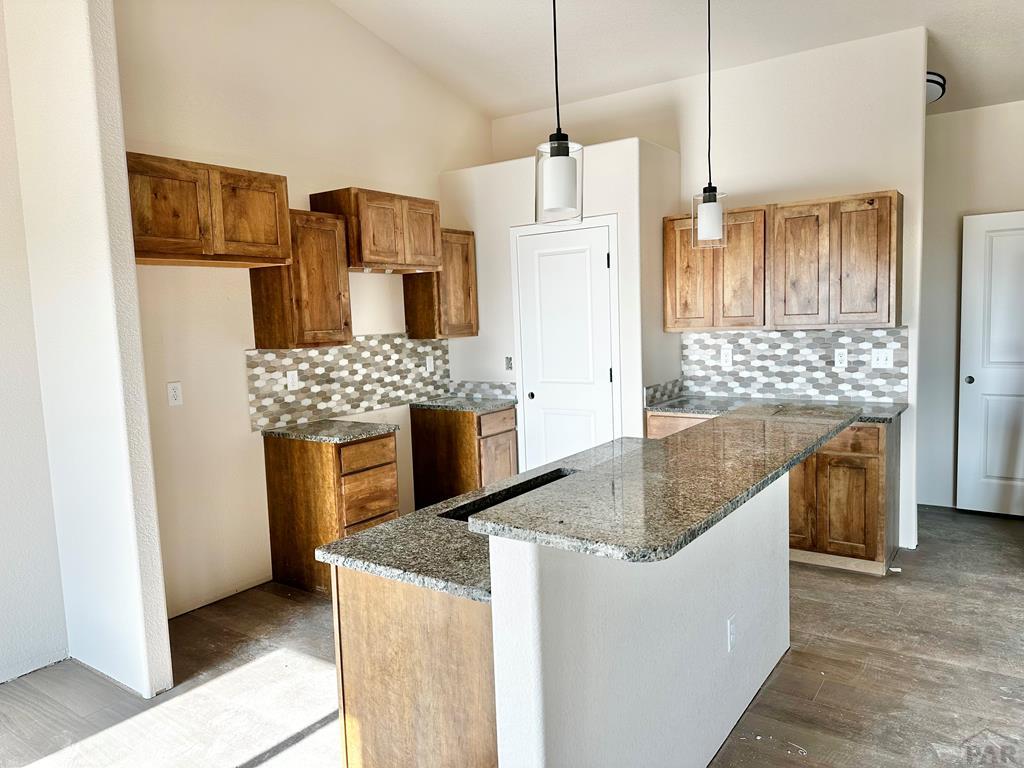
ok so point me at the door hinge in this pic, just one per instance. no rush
(610, 375)
(609, 259)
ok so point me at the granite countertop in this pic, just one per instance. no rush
(472, 404)
(427, 550)
(712, 405)
(332, 431)
(648, 504)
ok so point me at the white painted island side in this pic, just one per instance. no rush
(603, 662)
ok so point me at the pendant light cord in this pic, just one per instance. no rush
(709, 92)
(554, 33)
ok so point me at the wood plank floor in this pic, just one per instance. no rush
(882, 672)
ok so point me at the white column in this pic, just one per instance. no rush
(67, 119)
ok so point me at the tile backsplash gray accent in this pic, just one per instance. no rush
(370, 373)
(659, 393)
(793, 364)
(481, 389)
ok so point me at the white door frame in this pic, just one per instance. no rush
(611, 221)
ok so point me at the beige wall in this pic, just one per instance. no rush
(296, 88)
(845, 118)
(974, 164)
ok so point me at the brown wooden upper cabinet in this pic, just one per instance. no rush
(191, 213)
(306, 304)
(386, 232)
(715, 287)
(837, 262)
(442, 305)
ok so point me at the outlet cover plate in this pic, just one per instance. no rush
(292, 377)
(175, 394)
(881, 357)
(841, 359)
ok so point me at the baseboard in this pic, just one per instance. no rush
(872, 567)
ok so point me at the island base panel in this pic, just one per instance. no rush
(415, 675)
(607, 663)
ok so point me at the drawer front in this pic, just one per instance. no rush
(499, 421)
(370, 493)
(660, 425)
(370, 453)
(856, 439)
(350, 529)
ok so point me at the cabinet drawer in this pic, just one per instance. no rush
(350, 529)
(368, 494)
(370, 453)
(660, 425)
(858, 439)
(499, 421)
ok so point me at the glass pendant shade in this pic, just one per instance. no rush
(559, 181)
(709, 230)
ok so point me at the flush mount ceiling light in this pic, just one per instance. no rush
(559, 171)
(710, 230)
(935, 86)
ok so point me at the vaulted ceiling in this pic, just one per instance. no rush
(497, 53)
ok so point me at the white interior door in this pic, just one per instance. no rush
(566, 363)
(990, 444)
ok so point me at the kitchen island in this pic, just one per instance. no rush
(619, 607)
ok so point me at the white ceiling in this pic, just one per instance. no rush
(497, 53)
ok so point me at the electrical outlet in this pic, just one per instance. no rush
(840, 359)
(175, 396)
(292, 377)
(508, 362)
(726, 358)
(430, 364)
(881, 358)
(730, 629)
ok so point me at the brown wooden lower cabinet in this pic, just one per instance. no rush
(455, 452)
(844, 500)
(664, 424)
(415, 675)
(319, 492)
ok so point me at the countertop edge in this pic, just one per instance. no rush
(381, 430)
(661, 552)
(476, 594)
(660, 408)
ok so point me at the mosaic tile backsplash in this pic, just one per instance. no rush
(481, 389)
(791, 364)
(370, 373)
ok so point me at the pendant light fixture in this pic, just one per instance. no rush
(559, 171)
(710, 230)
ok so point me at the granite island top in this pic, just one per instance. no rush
(473, 404)
(631, 499)
(427, 550)
(333, 431)
(716, 405)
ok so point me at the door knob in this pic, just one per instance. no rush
(969, 379)
(531, 395)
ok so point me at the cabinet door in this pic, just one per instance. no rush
(368, 494)
(803, 504)
(688, 277)
(170, 202)
(848, 503)
(739, 272)
(422, 223)
(458, 309)
(800, 265)
(250, 214)
(860, 257)
(382, 233)
(323, 313)
(499, 457)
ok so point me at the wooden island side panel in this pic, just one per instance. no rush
(415, 675)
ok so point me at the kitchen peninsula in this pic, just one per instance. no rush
(619, 607)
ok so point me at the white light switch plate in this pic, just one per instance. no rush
(730, 630)
(840, 360)
(175, 395)
(881, 358)
(726, 359)
(292, 377)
